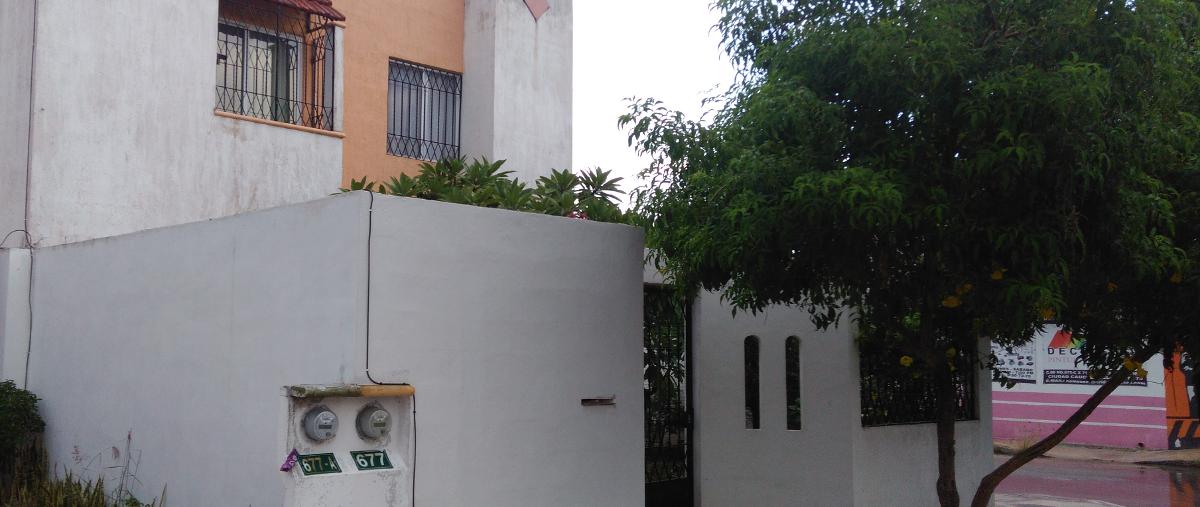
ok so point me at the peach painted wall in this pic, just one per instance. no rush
(428, 32)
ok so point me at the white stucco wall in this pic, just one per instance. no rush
(517, 85)
(505, 321)
(16, 57)
(502, 321)
(771, 465)
(897, 465)
(832, 460)
(124, 135)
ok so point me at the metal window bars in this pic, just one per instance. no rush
(891, 395)
(275, 63)
(424, 111)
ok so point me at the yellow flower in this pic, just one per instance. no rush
(906, 361)
(951, 352)
(1047, 313)
(1130, 364)
(1177, 278)
(963, 289)
(951, 302)
(1112, 287)
(998, 274)
(1141, 373)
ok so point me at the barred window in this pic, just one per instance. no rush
(424, 111)
(750, 348)
(275, 63)
(891, 394)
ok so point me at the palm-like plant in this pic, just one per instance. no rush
(592, 194)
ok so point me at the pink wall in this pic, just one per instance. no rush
(1121, 421)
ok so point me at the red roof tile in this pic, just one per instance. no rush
(319, 7)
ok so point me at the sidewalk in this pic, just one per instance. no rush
(1182, 457)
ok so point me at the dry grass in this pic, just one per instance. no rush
(27, 481)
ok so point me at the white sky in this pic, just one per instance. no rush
(663, 49)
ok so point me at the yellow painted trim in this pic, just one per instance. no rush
(369, 391)
(273, 123)
(351, 391)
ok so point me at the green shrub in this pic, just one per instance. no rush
(591, 195)
(20, 424)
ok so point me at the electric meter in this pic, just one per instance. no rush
(374, 422)
(320, 424)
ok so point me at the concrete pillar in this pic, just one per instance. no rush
(16, 58)
(517, 85)
(15, 268)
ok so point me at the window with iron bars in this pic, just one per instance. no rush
(891, 395)
(275, 63)
(424, 111)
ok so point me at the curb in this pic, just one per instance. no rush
(1188, 458)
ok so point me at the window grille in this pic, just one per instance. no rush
(424, 111)
(753, 421)
(891, 395)
(791, 355)
(275, 63)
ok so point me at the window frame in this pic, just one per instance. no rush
(295, 75)
(285, 69)
(433, 97)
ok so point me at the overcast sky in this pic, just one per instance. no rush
(639, 48)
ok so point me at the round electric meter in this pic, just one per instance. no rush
(320, 424)
(374, 422)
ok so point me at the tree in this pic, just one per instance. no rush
(945, 170)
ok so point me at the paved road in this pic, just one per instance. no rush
(1068, 483)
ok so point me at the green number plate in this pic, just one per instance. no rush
(371, 460)
(317, 464)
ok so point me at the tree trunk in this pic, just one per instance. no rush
(947, 487)
(987, 486)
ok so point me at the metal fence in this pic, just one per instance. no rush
(668, 418)
(424, 111)
(894, 396)
(275, 63)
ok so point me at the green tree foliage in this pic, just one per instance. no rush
(947, 170)
(593, 194)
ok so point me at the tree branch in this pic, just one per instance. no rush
(987, 486)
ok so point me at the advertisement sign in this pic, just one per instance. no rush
(1060, 363)
(1017, 363)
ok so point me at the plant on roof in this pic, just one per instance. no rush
(593, 194)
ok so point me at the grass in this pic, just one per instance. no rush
(27, 481)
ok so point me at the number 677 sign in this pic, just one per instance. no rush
(371, 460)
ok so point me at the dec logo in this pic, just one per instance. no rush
(1063, 344)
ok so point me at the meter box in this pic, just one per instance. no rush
(348, 445)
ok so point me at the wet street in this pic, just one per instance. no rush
(1070, 483)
